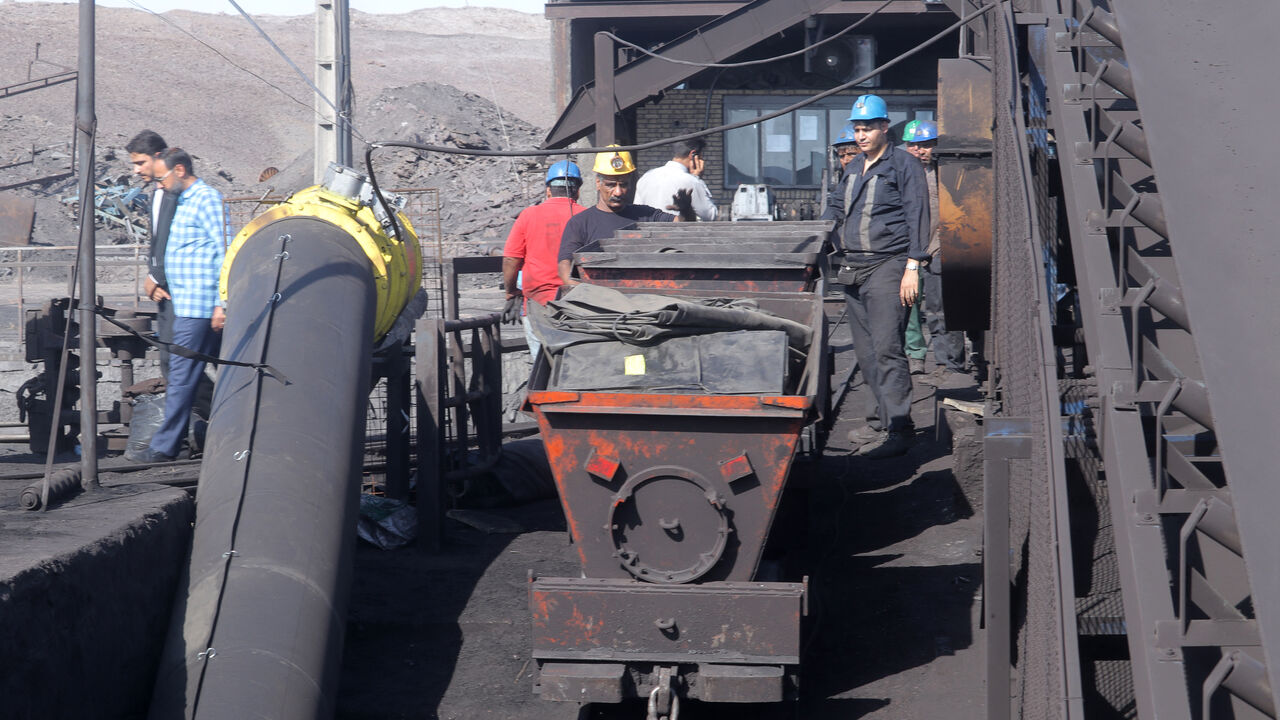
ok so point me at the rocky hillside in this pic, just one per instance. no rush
(210, 84)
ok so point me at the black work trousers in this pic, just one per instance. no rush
(948, 346)
(878, 321)
(164, 331)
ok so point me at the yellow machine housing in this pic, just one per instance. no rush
(397, 266)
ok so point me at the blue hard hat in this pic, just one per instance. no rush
(566, 172)
(869, 107)
(920, 131)
(845, 137)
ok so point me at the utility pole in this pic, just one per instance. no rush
(333, 78)
(86, 129)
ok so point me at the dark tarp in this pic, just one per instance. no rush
(592, 313)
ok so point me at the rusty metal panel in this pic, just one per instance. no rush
(737, 273)
(966, 194)
(669, 488)
(741, 683)
(628, 620)
(965, 112)
(966, 190)
(17, 217)
(582, 682)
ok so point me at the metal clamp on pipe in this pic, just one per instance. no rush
(345, 200)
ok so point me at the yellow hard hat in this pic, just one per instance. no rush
(617, 162)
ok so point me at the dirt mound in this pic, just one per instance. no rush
(209, 84)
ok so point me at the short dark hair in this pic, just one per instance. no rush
(175, 156)
(570, 190)
(684, 148)
(147, 142)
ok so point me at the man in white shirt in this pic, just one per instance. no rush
(657, 187)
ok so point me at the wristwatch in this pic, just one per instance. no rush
(913, 265)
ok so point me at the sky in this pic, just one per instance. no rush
(304, 7)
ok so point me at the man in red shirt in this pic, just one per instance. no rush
(534, 244)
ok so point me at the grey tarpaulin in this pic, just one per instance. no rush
(521, 475)
(590, 313)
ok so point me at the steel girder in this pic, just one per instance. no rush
(1188, 597)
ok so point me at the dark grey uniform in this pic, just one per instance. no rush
(882, 218)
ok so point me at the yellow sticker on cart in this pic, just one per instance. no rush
(633, 365)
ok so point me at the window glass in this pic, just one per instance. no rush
(836, 118)
(778, 143)
(791, 151)
(742, 150)
(811, 146)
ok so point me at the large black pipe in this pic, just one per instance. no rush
(259, 617)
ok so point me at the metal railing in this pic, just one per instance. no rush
(22, 260)
(459, 398)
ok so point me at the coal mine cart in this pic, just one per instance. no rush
(676, 387)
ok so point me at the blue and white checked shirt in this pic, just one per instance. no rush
(197, 246)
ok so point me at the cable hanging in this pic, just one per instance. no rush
(540, 152)
(749, 63)
(238, 66)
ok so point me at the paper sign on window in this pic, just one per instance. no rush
(777, 143)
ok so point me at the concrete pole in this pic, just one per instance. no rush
(606, 102)
(86, 125)
(333, 79)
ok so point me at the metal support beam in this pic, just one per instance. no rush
(86, 130)
(606, 109)
(432, 501)
(1006, 439)
(712, 42)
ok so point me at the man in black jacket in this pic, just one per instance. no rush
(881, 209)
(144, 149)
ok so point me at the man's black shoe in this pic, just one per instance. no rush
(147, 455)
(895, 444)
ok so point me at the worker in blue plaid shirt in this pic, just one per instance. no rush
(192, 260)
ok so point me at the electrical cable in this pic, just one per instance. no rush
(245, 456)
(238, 66)
(748, 63)
(287, 59)
(970, 17)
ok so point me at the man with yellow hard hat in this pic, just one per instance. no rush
(614, 209)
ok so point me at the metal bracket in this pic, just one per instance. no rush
(1005, 439)
(664, 700)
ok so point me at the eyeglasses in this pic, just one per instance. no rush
(846, 153)
(163, 177)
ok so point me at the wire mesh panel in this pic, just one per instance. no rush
(1019, 298)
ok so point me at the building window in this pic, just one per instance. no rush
(791, 150)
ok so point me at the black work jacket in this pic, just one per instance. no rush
(881, 212)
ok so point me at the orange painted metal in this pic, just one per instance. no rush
(686, 437)
(966, 190)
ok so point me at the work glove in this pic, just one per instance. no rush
(682, 203)
(511, 311)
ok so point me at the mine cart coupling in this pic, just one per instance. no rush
(664, 700)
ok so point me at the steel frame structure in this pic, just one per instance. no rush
(1193, 640)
